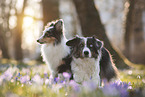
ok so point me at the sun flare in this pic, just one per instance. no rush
(28, 22)
(28, 35)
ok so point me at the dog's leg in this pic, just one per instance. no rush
(61, 77)
(96, 79)
(52, 76)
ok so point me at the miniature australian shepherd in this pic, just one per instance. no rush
(90, 60)
(54, 50)
(85, 58)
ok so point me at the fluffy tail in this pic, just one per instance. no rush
(108, 68)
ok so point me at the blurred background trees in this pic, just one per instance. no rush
(91, 25)
(50, 10)
(119, 23)
(135, 31)
(18, 23)
(18, 30)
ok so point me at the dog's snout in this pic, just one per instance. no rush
(86, 53)
(38, 40)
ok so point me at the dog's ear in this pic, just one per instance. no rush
(99, 44)
(94, 36)
(49, 24)
(73, 41)
(59, 25)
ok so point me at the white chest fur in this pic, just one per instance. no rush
(53, 55)
(86, 69)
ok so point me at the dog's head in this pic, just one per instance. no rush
(52, 33)
(82, 47)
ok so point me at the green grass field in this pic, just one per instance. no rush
(32, 80)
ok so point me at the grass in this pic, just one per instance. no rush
(135, 76)
(32, 80)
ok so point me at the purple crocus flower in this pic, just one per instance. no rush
(24, 79)
(117, 88)
(45, 74)
(89, 85)
(75, 86)
(46, 81)
(56, 79)
(124, 93)
(7, 75)
(19, 75)
(37, 79)
(110, 90)
(66, 75)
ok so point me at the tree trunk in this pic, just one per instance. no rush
(129, 28)
(18, 34)
(18, 39)
(3, 46)
(134, 33)
(91, 25)
(50, 10)
(4, 28)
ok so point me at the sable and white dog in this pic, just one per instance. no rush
(90, 59)
(54, 50)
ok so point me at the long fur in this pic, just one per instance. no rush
(86, 69)
(53, 55)
(96, 66)
(86, 56)
(54, 50)
(108, 68)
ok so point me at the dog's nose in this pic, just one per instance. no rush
(38, 40)
(86, 53)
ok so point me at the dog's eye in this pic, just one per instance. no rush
(46, 34)
(91, 45)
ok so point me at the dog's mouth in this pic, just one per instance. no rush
(46, 40)
(86, 56)
(40, 42)
(81, 56)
